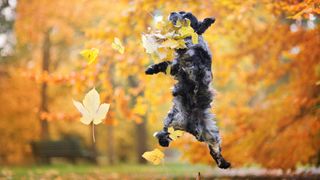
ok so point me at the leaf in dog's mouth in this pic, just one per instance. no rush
(168, 37)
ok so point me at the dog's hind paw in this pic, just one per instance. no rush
(224, 164)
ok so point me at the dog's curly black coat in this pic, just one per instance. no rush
(192, 93)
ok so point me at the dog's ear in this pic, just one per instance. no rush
(204, 25)
(193, 20)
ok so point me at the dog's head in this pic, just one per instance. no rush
(199, 26)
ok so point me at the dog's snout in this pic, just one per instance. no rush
(173, 17)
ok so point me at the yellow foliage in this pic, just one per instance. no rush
(141, 107)
(18, 121)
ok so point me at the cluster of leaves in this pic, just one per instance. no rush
(167, 37)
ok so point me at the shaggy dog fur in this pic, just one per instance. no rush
(192, 92)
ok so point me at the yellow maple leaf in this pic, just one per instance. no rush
(90, 54)
(117, 45)
(187, 31)
(175, 134)
(90, 108)
(155, 156)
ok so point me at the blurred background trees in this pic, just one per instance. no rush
(266, 73)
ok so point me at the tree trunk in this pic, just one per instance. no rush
(110, 127)
(44, 86)
(141, 129)
(110, 137)
(141, 140)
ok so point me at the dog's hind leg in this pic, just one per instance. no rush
(215, 152)
(211, 136)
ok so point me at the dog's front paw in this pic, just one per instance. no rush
(150, 70)
(163, 137)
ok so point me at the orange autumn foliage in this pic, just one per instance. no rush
(18, 122)
(265, 62)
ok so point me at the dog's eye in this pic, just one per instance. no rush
(187, 15)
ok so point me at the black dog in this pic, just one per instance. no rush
(192, 93)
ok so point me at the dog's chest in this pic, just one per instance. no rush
(187, 66)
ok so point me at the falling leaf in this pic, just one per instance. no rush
(155, 156)
(175, 134)
(90, 54)
(149, 43)
(117, 45)
(90, 108)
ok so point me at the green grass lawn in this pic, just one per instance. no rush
(86, 171)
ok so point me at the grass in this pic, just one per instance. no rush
(87, 171)
(148, 171)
